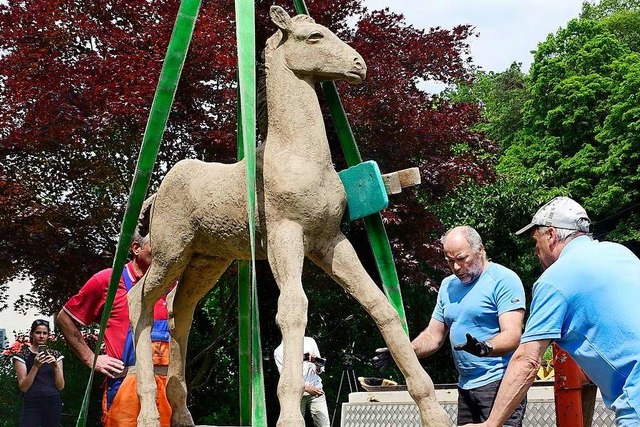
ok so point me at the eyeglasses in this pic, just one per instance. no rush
(41, 322)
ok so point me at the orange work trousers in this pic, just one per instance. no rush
(125, 407)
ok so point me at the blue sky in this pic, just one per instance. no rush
(509, 29)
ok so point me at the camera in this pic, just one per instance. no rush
(319, 361)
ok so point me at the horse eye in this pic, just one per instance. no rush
(315, 37)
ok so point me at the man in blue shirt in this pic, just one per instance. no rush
(481, 306)
(587, 301)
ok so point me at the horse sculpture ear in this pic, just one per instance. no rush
(280, 17)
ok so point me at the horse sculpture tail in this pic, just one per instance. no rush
(144, 218)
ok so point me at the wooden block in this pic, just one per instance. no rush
(409, 177)
(392, 183)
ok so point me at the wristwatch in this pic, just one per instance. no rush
(489, 347)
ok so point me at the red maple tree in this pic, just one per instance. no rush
(76, 84)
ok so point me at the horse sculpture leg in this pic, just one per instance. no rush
(142, 298)
(198, 278)
(340, 261)
(286, 257)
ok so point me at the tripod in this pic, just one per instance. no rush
(347, 370)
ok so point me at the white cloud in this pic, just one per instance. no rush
(509, 29)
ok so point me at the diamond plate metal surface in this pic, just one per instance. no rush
(372, 414)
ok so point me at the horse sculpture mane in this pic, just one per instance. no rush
(199, 226)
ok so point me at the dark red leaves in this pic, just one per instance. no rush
(77, 80)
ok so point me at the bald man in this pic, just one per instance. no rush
(481, 306)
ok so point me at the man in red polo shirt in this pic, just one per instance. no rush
(120, 405)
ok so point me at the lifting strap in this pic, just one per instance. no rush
(252, 405)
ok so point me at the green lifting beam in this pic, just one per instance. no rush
(373, 223)
(156, 123)
(252, 399)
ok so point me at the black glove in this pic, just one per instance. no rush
(473, 346)
(382, 359)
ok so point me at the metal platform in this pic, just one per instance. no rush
(396, 408)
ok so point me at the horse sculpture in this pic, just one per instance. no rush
(199, 226)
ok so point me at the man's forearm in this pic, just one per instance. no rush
(425, 344)
(505, 342)
(519, 376)
(74, 338)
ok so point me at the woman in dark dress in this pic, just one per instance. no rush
(40, 379)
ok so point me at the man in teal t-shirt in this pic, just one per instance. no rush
(481, 306)
(587, 301)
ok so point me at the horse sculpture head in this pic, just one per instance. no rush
(311, 50)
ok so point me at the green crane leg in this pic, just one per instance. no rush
(156, 123)
(373, 223)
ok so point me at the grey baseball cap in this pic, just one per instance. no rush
(560, 212)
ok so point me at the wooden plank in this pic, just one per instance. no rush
(409, 177)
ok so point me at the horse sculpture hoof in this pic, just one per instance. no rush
(182, 418)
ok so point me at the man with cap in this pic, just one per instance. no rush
(587, 301)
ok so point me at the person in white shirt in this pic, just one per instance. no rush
(313, 397)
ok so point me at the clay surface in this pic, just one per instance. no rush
(199, 226)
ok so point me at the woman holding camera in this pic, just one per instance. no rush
(40, 379)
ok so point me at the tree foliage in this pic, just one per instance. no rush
(76, 84)
(621, 17)
(599, 9)
(580, 125)
(501, 95)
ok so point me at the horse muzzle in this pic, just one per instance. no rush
(358, 71)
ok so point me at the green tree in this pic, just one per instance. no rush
(598, 9)
(578, 76)
(501, 95)
(619, 172)
(621, 17)
(625, 25)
